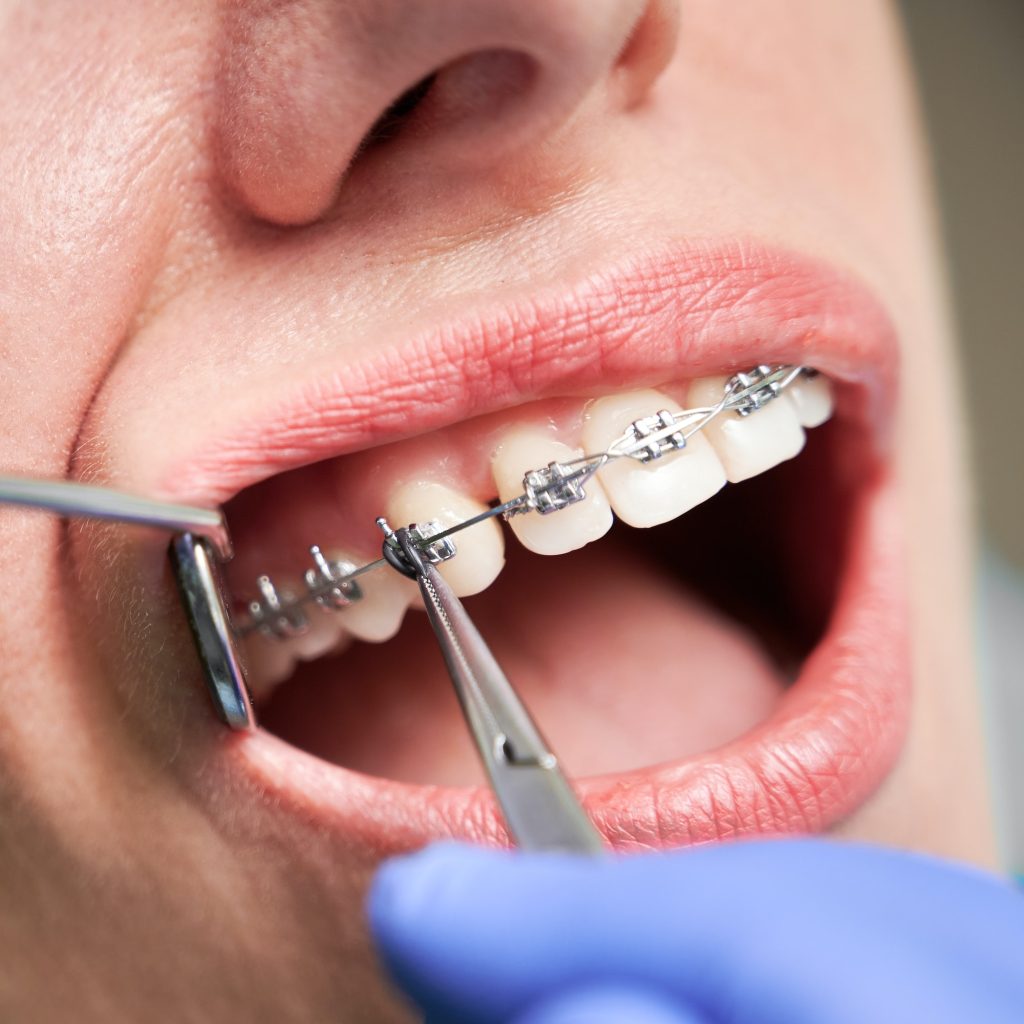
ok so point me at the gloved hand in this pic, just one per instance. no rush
(767, 932)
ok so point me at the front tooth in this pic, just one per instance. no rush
(646, 494)
(480, 549)
(377, 615)
(525, 449)
(748, 445)
(812, 399)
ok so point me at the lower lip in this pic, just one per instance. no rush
(832, 740)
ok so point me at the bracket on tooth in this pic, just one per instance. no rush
(276, 614)
(328, 584)
(760, 395)
(434, 551)
(553, 488)
(649, 438)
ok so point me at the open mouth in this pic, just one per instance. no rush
(712, 641)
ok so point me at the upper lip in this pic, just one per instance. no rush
(683, 312)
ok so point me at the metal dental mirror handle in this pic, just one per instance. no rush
(200, 541)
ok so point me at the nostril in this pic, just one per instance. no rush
(469, 104)
(481, 87)
(392, 121)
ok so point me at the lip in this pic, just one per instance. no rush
(683, 312)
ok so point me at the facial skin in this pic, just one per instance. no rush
(184, 205)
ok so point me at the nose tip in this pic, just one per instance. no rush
(305, 85)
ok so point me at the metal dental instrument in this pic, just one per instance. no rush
(72, 499)
(201, 539)
(540, 807)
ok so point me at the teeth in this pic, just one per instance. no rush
(377, 615)
(646, 494)
(812, 399)
(326, 632)
(481, 548)
(729, 448)
(268, 661)
(525, 449)
(748, 445)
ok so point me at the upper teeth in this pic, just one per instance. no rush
(628, 474)
(578, 521)
(646, 494)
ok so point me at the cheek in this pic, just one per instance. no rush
(92, 148)
(805, 117)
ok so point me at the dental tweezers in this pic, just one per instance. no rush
(540, 807)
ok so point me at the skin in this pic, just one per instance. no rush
(157, 157)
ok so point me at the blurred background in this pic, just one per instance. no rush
(970, 65)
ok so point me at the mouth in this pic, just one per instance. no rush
(714, 643)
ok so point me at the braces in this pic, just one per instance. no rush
(201, 540)
(332, 585)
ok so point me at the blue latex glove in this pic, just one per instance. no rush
(768, 932)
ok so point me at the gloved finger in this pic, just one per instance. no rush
(482, 933)
(609, 1004)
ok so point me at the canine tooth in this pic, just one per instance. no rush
(378, 614)
(748, 445)
(481, 548)
(645, 494)
(524, 449)
(812, 399)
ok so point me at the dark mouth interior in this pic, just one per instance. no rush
(609, 643)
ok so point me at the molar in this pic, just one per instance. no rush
(748, 445)
(527, 448)
(812, 399)
(646, 494)
(480, 549)
(268, 661)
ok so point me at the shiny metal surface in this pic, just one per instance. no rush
(70, 498)
(540, 806)
(198, 581)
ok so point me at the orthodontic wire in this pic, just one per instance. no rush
(776, 379)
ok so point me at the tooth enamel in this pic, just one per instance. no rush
(748, 445)
(378, 614)
(268, 661)
(481, 548)
(646, 494)
(812, 399)
(525, 449)
(324, 634)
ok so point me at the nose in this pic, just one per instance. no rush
(305, 84)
